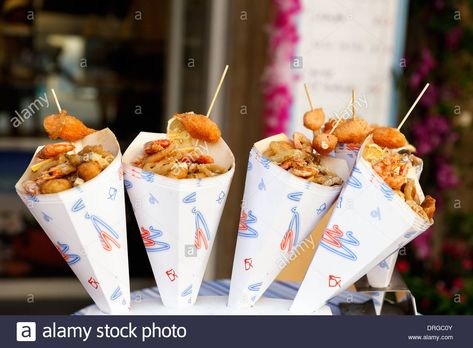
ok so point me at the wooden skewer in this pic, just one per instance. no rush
(353, 103)
(336, 124)
(57, 101)
(413, 106)
(308, 96)
(216, 92)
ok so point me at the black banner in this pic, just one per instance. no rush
(237, 331)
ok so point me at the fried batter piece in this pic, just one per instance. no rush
(352, 131)
(324, 143)
(55, 186)
(429, 206)
(389, 137)
(314, 119)
(200, 127)
(66, 127)
(52, 150)
(88, 170)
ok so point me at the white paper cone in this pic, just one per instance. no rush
(369, 223)
(87, 225)
(279, 211)
(380, 275)
(178, 219)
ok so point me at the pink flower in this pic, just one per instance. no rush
(458, 284)
(403, 266)
(422, 244)
(453, 38)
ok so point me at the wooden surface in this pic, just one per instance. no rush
(247, 57)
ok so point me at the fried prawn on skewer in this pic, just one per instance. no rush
(389, 137)
(66, 127)
(352, 131)
(200, 127)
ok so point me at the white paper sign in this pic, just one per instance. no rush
(349, 44)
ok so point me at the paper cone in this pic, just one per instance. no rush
(279, 211)
(369, 223)
(380, 275)
(87, 225)
(178, 219)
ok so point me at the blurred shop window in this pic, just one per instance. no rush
(108, 61)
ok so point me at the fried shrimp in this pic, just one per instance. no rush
(52, 150)
(389, 137)
(155, 146)
(200, 127)
(352, 131)
(324, 143)
(55, 186)
(314, 119)
(66, 127)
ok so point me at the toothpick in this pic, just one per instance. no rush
(57, 101)
(336, 124)
(308, 96)
(216, 92)
(413, 106)
(353, 103)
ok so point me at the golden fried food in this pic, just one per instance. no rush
(389, 137)
(314, 119)
(55, 186)
(410, 192)
(88, 170)
(373, 153)
(328, 126)
(200, 127)
(164, 157)
(31, 187)
(301, 142)
(418, 209)
(352, 131)
(303, 164)
(429, 206)
(392, 170)
(156, 145)
(66, 127)
(52, 150)
(324, 143)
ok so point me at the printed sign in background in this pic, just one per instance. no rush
(349, 44)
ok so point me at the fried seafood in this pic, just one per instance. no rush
(314, 119)
(324, 143)
(55, 186)
(200, 127)
(66, 127)
(389, 137)
(52, 150)
(177, 162)
(300, 162)
(352, 131)
(393, 166)
(75, 168)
